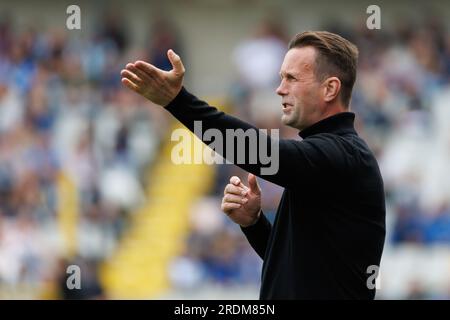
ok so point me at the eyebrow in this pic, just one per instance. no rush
(288, 74)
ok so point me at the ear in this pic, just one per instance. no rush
(332, 87)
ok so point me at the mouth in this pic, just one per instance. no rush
(286, 106)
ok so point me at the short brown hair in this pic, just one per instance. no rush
(336, 56)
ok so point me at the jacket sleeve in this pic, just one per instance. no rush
(258, 235)
(296, 162)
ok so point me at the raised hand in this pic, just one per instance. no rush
(157, 85)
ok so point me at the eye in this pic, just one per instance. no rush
(290, 77)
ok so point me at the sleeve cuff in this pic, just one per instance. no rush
(262, 225)
(183, 94)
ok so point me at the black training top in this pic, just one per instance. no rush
(329, 231)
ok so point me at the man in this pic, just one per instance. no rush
(329, 231)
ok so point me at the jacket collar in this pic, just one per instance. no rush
(339, 123)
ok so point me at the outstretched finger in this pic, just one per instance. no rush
(147, 67)
(131, 76)
(129, 84)
(140, 73)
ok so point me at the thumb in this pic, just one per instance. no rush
(175, 60)
(253, 184)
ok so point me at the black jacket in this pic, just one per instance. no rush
(329, 230)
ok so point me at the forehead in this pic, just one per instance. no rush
(299, 60)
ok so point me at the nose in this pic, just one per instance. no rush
(281, 90)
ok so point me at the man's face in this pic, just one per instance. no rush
(299, 89)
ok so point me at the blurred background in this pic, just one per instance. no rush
(86, 177)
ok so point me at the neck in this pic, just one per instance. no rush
(333, 109)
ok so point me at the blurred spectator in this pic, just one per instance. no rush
(163, 37)
(258, 61)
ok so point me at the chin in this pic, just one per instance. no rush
(287, 121)
(291, 122)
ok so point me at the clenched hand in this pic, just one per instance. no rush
(242, 204)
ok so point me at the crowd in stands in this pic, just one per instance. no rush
(65, 117)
